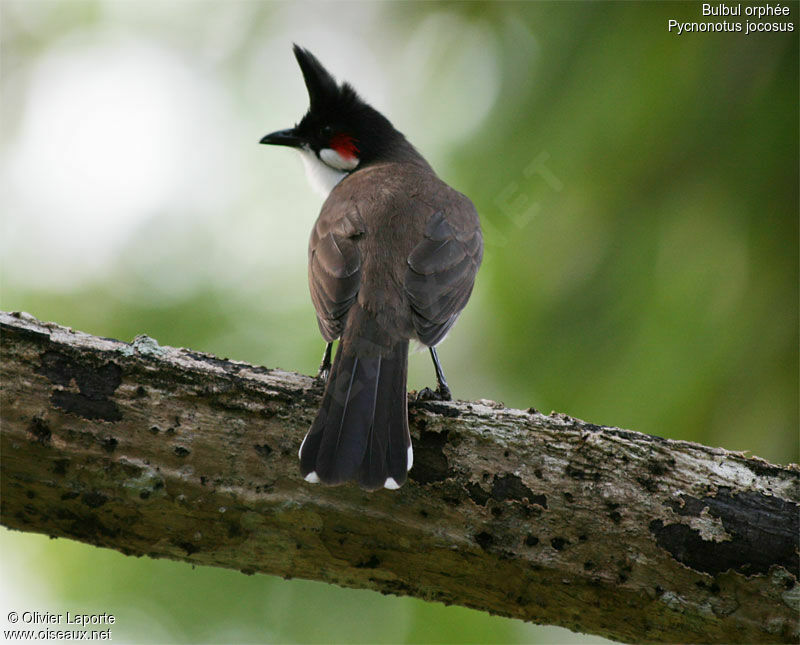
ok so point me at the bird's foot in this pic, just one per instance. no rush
(441, 393)
(325, 366)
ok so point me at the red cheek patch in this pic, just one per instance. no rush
(345, 146)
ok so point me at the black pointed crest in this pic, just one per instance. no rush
(339, 108)
(322, 87)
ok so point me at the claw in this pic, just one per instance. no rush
(439, 394)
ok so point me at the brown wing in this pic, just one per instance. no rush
(441, 272)
(334, 270)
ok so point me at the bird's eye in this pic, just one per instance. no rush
(326, 131)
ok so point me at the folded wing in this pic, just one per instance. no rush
(334, 273)
(441, 272)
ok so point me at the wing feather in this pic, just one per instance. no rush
(334, 272)
(441, 272)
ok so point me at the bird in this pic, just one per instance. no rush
(392, 258)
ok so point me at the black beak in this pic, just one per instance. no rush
(283, 138)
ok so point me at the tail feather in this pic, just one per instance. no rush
(352, 409)
(309, 449)
(361, 429)
(387, 463)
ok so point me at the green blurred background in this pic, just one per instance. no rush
(638, 190)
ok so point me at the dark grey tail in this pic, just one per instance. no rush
(361, 429)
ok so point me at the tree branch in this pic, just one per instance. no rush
(171, 453)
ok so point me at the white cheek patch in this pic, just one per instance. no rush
(321, 176)
(335, 160)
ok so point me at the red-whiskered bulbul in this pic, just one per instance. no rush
(392, 257)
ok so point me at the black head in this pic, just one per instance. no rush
(340, 129)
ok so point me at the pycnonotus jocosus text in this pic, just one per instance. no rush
(392, 257)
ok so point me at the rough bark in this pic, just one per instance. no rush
(171, 453)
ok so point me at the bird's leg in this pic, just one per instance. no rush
(442, 392)
(441, 384)
(325, 366)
